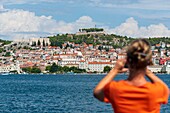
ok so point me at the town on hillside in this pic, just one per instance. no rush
(87, 51)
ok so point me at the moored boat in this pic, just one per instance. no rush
(5, 73)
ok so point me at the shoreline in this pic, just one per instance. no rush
(75, 74)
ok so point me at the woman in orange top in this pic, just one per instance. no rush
(135, 94)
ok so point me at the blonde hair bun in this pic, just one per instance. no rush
(139, 53)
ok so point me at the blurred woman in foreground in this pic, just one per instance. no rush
(135, 94)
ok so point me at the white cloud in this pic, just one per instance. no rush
(131, 28)
(2, 9)
(84, 21)
(128, 28)
(24, 24)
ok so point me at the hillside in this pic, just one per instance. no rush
(4, 42)
(111, 40)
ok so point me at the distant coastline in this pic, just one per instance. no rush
(90, 50)
(68, 74)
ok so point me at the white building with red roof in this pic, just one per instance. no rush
(7, 68)
(98, 66)
(83, 64)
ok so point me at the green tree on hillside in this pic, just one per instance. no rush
(38, 43)
(46, 44)
(7, 54)
(116, 41)
(43, 43)
(1, 50)
(33, 43)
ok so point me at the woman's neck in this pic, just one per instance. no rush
(137, 77)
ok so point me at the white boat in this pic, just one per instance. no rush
(4, 73)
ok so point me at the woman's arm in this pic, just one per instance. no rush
(98, 91)
(153, 78)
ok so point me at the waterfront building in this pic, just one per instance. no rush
(168, 53)
(9, 68)
(63, 62)
(83, 64)
(155, 60)
(155, 68)
(72, 65)
(162, 52)
(68, 59)
(162, 61)
(167, 45)
(27, 64)
(166, 68)
(157, 45)
(98, 66)
(120, 56)
(155, 53)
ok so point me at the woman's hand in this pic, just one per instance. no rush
(148, 72)
(99, 89)
(119, 66)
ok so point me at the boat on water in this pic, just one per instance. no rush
(4, 73)
(70, 73)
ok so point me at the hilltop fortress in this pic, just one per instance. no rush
(91, 31)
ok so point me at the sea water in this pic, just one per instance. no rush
(55, 94)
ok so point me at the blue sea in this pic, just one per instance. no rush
(55, 94)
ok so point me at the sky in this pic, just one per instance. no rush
(21, 19)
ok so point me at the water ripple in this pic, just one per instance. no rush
(55, 94)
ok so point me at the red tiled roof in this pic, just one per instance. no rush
(99, 63)
(82, 61)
